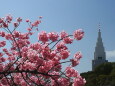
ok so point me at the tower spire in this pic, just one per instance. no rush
(99, 26)
(99, 54)
(99, 39)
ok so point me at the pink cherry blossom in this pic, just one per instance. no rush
(46, 53)
(42, 36)
(24, 62)
(2, 43)
(53, 36)
(68, 40)
(2, 59)
(35, 24)
(16, 34)
(8, 18)
(27, 20)
(63, 82)
(31, 53)
(23, 83)
(79, 81)
(4, 81)
(5, 25)
(8, 37)
(78, 55)
(63, 34)
(10, 58)
(70, 72)
(5, 50)
(36, 46)
(2, 33)
(61, 46)
(19, 19)
(64, 54)
(16, 24)
(75, 62)
(78, 34)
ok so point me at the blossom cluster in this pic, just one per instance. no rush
(23, 63)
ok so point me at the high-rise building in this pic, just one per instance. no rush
(99, 54)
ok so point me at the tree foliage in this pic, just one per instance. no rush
(103, 75)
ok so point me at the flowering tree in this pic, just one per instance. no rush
(23, 63)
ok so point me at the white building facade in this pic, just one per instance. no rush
(99, 54)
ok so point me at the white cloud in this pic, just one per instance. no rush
(110, 54)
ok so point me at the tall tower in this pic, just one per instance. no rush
(99, 54)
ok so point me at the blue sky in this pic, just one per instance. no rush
(69, 15)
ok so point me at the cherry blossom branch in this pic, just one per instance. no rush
(26, 71)
(37, 63)
(59, 41)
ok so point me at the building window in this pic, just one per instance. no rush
(100, 58)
